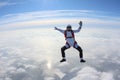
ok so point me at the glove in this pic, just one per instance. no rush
(56, 28)
(80, 23)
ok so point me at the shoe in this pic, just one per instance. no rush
(63, 60)
(82, 60)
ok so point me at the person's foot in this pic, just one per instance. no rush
(63, 60)
(82, 60)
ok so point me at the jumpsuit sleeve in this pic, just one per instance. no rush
(78, 30)
(60, 30)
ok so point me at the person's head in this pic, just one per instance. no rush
(69, 27)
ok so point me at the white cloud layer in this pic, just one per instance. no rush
(57, 17)
(89, 73)
(34, 54)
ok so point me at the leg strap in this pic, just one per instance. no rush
(68, 44)
(75, 43)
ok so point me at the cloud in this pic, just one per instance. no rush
(3, 4)
(33, 54)
(27, 16)
(89, 73)
(107, 76)
(54, 14)
(56, 17)
(25, 54)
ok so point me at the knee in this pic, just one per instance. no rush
(80, 49)
(63, 48)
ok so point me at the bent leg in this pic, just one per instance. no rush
(76, 46)
(80, 51)
(63, 51)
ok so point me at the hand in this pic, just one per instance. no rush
(80, 23)
(56, 28)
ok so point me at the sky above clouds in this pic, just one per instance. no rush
(35, 12)
(41, 19)
(30, 47)
(19, 6)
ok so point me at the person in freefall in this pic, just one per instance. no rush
(70, 41)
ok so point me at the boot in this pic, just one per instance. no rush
(63, 60)
(82, 60)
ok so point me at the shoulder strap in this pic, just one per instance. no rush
(72, 34)
(65, 34)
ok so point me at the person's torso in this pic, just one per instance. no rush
(69, 34)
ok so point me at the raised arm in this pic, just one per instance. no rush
(62, 31)
(80, 26)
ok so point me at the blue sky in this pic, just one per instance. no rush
(32, 13)
(19, 6)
